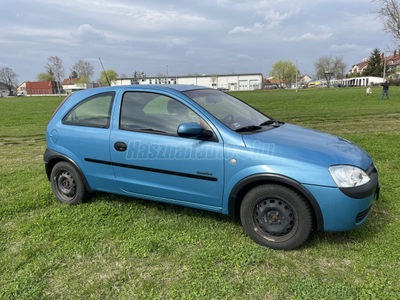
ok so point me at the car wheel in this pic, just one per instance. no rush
(67, 184)
(276, 216)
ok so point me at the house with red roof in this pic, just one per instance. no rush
(392, 61)
(360, 67)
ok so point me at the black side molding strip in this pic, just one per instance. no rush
(207, 178)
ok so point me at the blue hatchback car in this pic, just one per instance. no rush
(203, 148)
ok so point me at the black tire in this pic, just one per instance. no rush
(67, 184)
(276, 216)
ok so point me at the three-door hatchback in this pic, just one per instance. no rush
(200, 147)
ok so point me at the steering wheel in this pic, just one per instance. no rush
(229, 118)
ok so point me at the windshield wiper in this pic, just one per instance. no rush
(273, 122)
(248, 128)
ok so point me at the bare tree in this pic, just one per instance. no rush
(138, 74)
(55, 68)
(329, 66)
(389, 15)
(83, 69)
(9, 78)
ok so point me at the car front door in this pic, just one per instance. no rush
(151, 161)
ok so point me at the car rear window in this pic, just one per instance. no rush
(92, 112)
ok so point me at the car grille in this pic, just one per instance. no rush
(361, 216)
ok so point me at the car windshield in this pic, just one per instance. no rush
(234, 113)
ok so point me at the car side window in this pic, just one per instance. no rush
(92, 112)
(153, 112)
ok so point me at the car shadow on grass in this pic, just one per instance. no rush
(160, 207)
(368, 232)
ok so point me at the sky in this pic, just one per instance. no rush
(185, 37)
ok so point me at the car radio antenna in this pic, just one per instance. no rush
(105, 73)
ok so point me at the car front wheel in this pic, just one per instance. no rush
(276, 216)
(67, 184)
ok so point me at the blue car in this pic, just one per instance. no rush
(203, 148)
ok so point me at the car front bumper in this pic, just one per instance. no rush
(346, 208)
(341, 212)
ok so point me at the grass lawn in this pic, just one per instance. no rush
(117, 247)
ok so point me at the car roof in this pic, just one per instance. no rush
(116, 88)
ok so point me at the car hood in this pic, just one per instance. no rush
(308, 145)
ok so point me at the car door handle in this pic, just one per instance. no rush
(120, 146)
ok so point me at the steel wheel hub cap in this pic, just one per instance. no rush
(66, 184)
(274, 217)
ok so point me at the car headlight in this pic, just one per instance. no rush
(348, 176)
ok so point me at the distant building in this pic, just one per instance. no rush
(4, 91)
(270, 82)
(304, 80)
(392, 61)
(39, 87)
(360, 67)
(22, 87)
(354, 81)
(360, 81)
(70, 85)
(231, 82)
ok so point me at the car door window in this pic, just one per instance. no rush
(92, 112)
(153, 112)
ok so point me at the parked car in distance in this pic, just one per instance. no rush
(203, 148)
(19, 94)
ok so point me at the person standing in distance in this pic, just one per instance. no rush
(385, 89)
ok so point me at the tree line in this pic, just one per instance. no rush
(82, 70)
(55, 71)
(329, 67)
(285, 71)
(326, 67)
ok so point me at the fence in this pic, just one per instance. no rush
(40, 92)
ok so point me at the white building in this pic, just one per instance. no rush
(358, 81)
(70, 85)
(4, 91)
(231, 82)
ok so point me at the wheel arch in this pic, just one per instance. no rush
(51, 158)
(246, 184)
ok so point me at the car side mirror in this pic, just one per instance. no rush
(193, 130)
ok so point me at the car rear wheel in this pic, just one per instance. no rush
(67, 184)
(276, 216)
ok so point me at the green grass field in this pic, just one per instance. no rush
(117, 247)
